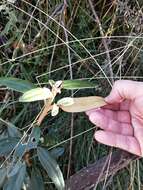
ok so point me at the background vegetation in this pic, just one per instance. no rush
(42, 40)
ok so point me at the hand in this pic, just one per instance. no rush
(122, 118)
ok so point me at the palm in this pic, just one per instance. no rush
(122, 124)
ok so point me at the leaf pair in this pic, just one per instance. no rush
(20, 85)
(31, 93)
(67, 104)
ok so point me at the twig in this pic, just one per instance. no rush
(44, 113)
(48, 104)
(71, 77)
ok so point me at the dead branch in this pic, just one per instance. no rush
(87, 177)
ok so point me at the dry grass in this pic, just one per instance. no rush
(100, 40)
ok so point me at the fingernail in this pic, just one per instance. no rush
(95, 118)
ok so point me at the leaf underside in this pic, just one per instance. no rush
(84, 104)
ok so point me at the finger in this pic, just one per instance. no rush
(92, 111)
(124, 89)
(138, 131)
(114, 107)
(121, 116)
(109, 124)
(125, 105)
(127, 143)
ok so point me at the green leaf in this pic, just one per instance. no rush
(77, 84)
(16, 84)
(15, 182)
(52, 168)
(57, 152)
(35, 95)
(3, 172)
(13, 168)
(7, 145)
(13, 131)
(20, 150)
(35, 135)
(32, 142)
(36, 182)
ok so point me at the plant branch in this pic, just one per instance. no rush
(94, 173)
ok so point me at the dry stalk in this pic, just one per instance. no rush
(103, 39)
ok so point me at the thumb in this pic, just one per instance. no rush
(124, 89)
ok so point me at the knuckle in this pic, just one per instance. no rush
(117, 83)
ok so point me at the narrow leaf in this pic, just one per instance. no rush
(35, 95)
(13, 169)
(36, 182)
(84, 104)
(3, 172)
(32, 143)
(13, 130)
(15, 182)
(52, 168)
(57, 152)
(7, 145)
(16, 84)
(35, 135)
(78, 84)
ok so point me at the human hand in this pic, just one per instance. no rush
(122, 118)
